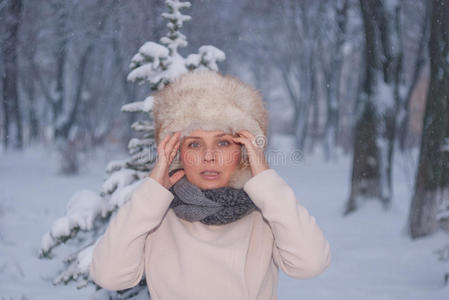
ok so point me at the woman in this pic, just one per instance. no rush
(212, 220)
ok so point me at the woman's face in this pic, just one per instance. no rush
(209, 158)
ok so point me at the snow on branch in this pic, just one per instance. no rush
(152, 51)
(144, 126)
(207, 55)
(139, 106)
(81, 211)
(77, 267)
(176, 17)
(119, 179)
(86, 205)
(115, 165)
(144, 73)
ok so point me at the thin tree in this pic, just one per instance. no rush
(432, 178)
(332, 66)
(11, 22)
(418, 65)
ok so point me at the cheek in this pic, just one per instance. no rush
(231, 157)
(190, 158)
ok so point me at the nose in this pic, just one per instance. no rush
(209, 154)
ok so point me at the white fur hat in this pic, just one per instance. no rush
(208, 100)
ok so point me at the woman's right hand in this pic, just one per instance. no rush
(166, 151)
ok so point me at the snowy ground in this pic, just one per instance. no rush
(372, 258)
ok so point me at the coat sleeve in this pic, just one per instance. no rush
(118, 257)
(300, 248)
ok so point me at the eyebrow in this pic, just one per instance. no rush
(198, 137)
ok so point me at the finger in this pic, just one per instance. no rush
(161, 158)
(259, 142)
(247, 134)
(176, 176)
(161, 146)
(173, 152)
(173, 139)
(164, 153)
(250, 147)
(244, 141)
(256, 157)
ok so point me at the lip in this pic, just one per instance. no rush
(210, 177)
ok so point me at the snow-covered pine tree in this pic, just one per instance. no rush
(88, 212)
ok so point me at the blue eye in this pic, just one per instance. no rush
(193, 143)
(196, 144)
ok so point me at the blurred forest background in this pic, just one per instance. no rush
(71, 59)
(365, 78)
(335, 74)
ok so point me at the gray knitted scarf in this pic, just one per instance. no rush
(210, 206)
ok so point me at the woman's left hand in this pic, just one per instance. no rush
(254, 148)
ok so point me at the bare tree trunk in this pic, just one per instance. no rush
(61, 57)
(420, 60)
(307, 79)
(377, 106)
(332, 73)
(312, 102)
(62, 131)
(33, 122)
(432, 179)
(12, 18)
(129, 91)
